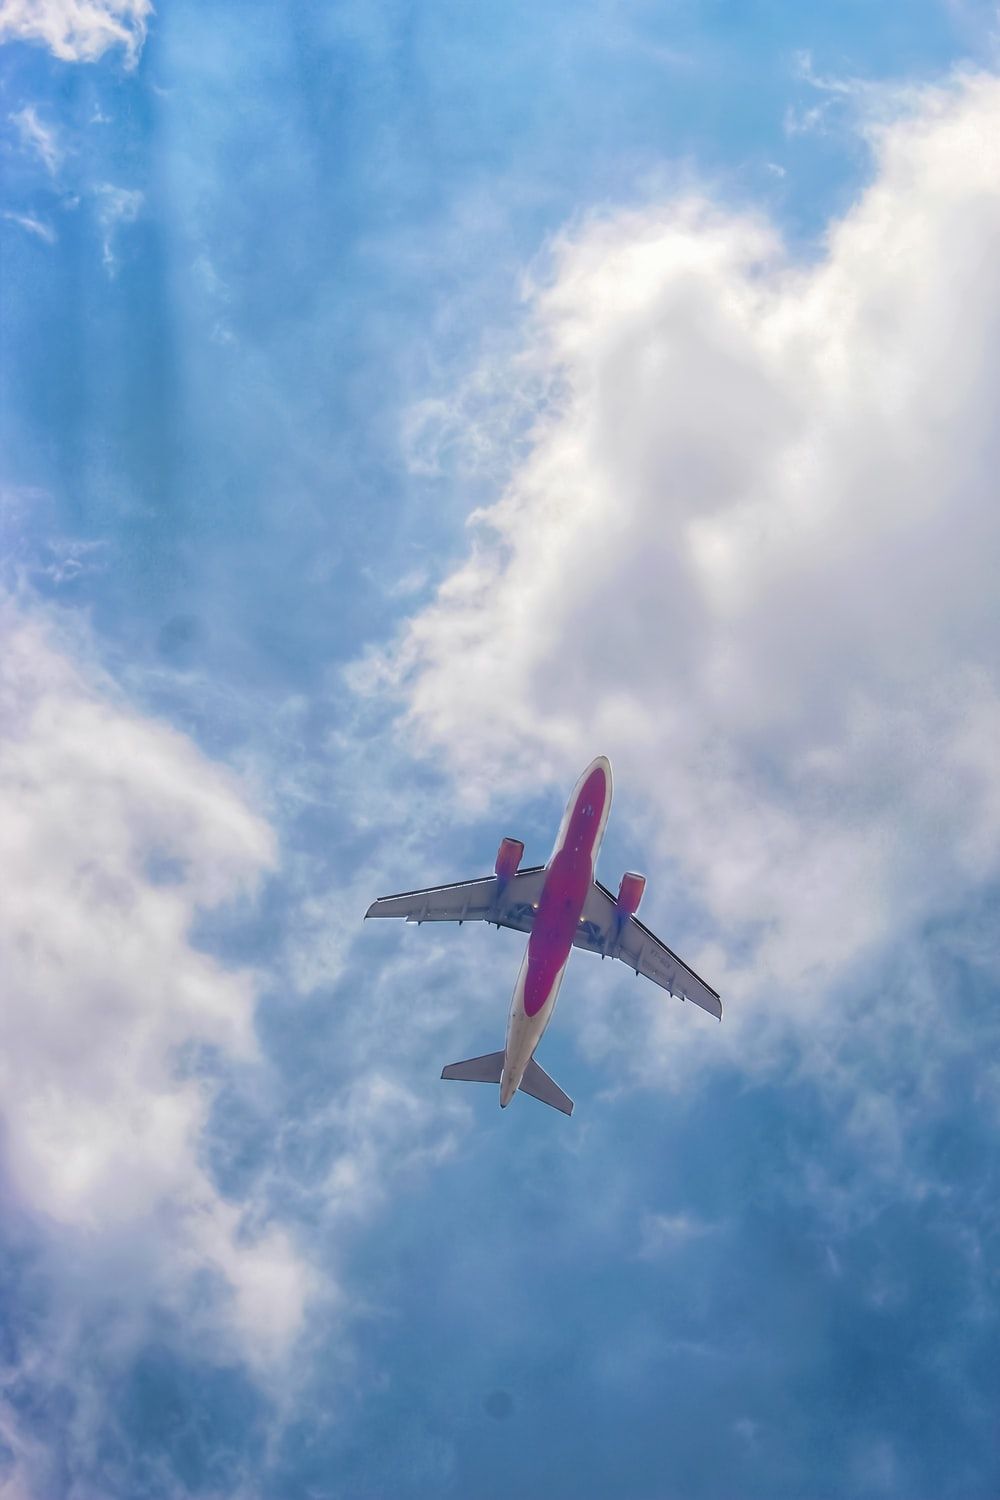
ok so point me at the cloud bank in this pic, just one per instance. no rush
(114, 833)
(750, 554)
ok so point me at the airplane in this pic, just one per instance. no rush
(562, 905)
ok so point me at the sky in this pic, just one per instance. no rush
(402, 405)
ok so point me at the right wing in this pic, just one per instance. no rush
(483, 900)
(602, 931)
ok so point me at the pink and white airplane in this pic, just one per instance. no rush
(563, 906)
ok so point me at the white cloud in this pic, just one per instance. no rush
(37, 137)
(750, 554)
(78, 30)
(32, 225)
(114, 833)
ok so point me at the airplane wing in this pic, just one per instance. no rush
(484, 900)
(640, 949)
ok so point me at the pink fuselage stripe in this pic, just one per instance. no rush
(563, 895)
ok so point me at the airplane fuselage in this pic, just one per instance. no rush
(568, 878)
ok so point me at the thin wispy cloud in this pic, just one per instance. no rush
(31, 225)
(37, 137)
(662, 1234)
(116, 206)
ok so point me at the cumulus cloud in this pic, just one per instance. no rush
(78, 30)
(750, 554)
(126, 1051)
(114, 833)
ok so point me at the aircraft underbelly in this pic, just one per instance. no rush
(524, 1032)
(568, 878)
(542, 970)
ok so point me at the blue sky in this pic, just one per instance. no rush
(402, 405)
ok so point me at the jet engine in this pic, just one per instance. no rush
(508, 859)
(630, 894)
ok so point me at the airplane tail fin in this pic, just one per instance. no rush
(539, 1085)
(476, 1069)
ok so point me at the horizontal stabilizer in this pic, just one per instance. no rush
(477, 1069)
(539, 1085)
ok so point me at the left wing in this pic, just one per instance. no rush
(603, 931)
(508, 904)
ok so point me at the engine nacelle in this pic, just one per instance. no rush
(630, 894)
(508, 859)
